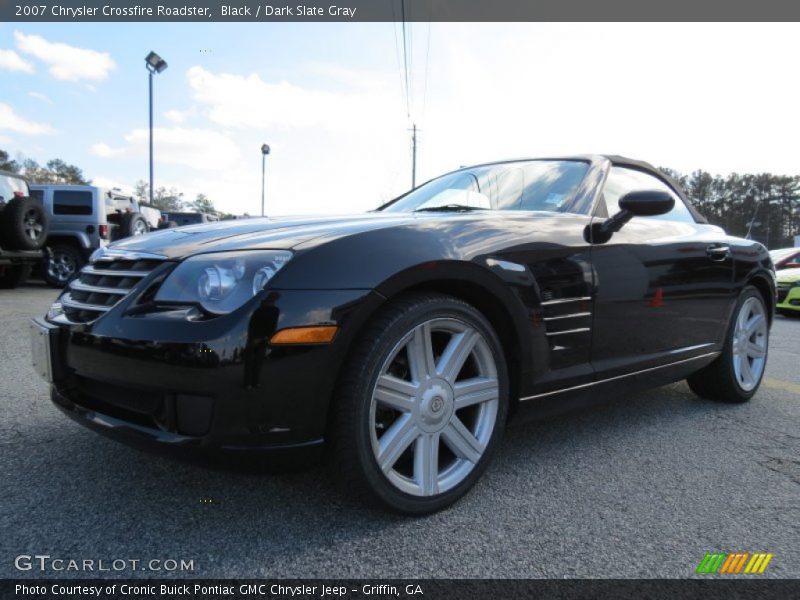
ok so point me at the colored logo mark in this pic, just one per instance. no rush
(734, 563)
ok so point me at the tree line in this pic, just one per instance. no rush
(762, 206)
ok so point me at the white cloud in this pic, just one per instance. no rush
(177, 116)
(5, 140)
(12, 121)
(65, 62)
(103, 150)
(195, 148)
(40, 96)
(250, 102)
(11, 61)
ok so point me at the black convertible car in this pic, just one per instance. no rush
(402, 340)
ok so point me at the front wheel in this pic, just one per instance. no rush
(62, 265)
(736, 374)
(422, 404)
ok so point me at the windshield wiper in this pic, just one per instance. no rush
(448, 208)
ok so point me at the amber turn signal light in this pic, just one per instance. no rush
(305, 335)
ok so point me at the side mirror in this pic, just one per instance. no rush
(646, 203)
(643, 203)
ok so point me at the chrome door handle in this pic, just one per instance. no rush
(718, 252)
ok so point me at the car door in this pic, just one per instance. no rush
(663, 284)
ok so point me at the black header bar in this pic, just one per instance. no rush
(397, 10)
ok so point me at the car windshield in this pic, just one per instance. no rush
(547, 185)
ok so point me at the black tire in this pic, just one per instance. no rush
(718, 381)
(14, 276)
(167, 225)
(63, 264)
(132, 224)
(355, 464)
(24, 224)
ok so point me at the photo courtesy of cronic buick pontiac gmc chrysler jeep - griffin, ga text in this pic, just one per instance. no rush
(400, 342)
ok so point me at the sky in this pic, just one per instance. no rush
(330, 99)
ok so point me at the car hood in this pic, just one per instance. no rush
(281, 233)
(788, 276)
(287, 233)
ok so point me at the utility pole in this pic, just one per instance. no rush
(413, 156)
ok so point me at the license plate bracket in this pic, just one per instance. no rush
(44, 345)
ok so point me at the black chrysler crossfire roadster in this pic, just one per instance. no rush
(400, 342)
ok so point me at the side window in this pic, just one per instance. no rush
(622, 180)
(72, 202)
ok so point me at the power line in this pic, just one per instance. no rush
(427, 58)
(397, 48)
(405, 55)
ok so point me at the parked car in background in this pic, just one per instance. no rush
(788, 292)
(189, 218)
(23, 230)
(84, 218)
(785, 258)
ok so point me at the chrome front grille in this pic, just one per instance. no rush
(100, 286)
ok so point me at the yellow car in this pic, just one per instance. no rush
(788, 292)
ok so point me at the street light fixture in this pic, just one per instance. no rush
(155, 64)
(264, 152)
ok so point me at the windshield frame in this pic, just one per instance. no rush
(580, 201)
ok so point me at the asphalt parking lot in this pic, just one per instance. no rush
(642, 487)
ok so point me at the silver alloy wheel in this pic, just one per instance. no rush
(34, 227)
(139, 227)
(434, 407)
(750, 338)
(61, 266)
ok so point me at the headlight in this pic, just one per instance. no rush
(222, 281)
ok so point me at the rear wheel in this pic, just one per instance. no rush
(736, 374)
(422, 404)
(12, 276)
(133, 224)
(62, 265)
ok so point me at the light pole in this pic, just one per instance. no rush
(264, 152)
(155, 64)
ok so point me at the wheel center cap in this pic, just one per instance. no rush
(436, 405)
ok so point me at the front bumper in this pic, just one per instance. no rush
(788, 299)
(161, 381)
